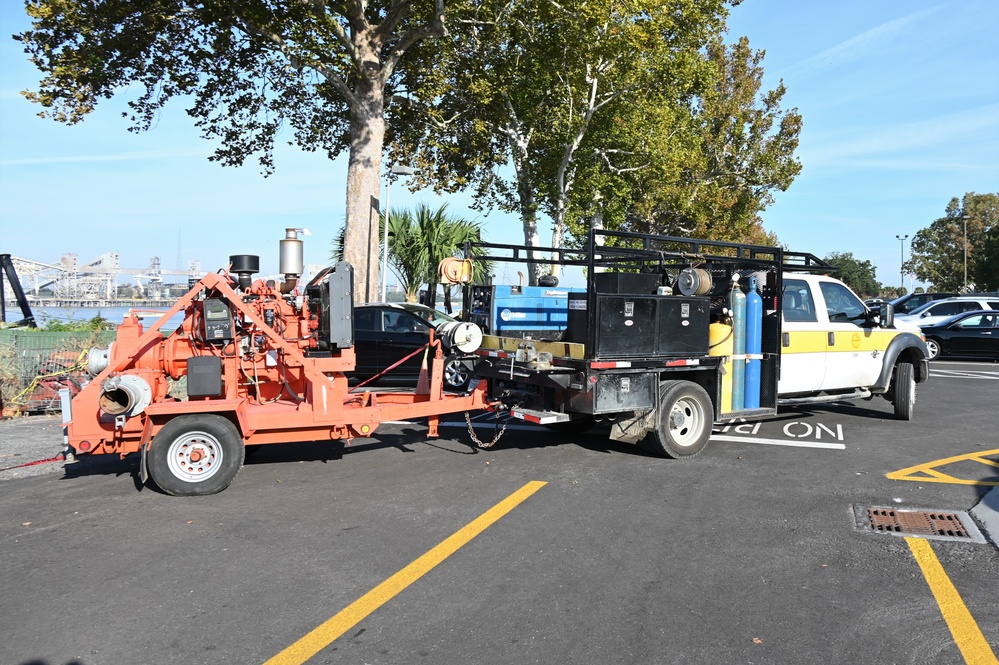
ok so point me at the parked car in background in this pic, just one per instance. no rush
(907, 303)
(938, 310)
(972, 334)
(385, 333)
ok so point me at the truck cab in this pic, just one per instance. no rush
(833, 346)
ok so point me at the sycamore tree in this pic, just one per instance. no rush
(525, 102)
(246, 69)
(632, 115)
(733, 149)
(859, 274)
(969, 228)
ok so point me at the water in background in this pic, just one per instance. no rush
(113, 314)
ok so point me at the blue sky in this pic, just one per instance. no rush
(900, 101)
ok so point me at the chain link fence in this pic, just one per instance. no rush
(36, 364)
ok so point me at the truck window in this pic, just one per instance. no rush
(841, 303)
(797, 302)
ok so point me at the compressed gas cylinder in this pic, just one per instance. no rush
(720, 343)
(737, 304)
(754, 345)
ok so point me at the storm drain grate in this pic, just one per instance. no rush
(917, 522)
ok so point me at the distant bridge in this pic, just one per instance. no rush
(96, 281)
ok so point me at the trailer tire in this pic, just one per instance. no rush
(904, 391)
(196, 455)
(683, 422)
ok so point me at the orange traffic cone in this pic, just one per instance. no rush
(423, 383)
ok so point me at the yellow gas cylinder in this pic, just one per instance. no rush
(721, 342)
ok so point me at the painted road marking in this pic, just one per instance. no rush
(963, 374)
(793, 443)
(931, 475)
(324, 635)
(967, 635)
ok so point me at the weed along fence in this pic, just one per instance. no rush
(36, 364)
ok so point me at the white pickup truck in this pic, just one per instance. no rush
(833, 347)
(652, 347)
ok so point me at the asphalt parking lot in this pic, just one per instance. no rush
(546, 548)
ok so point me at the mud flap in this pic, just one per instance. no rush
(634, 428)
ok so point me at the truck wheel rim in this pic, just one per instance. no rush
(194, 457)
(686, 419)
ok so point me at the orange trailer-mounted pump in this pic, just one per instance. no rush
(261, 367)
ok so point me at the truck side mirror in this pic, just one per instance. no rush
(887, 315)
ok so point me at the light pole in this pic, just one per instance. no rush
(396, 170)
(901, 252)
(965, 218)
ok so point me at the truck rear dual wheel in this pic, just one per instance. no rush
(684, 421)
(904, 391)
(196, 455)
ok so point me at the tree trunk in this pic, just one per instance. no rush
(528, 208)
(367, 131)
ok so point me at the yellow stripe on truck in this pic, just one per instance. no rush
(846, 341)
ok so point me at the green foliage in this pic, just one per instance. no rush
(635, 111)
(95, 324)
(938, 251)
(859, 275)
(418, 241)
(555, 90)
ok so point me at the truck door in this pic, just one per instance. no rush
(803, 347)
(855, 345)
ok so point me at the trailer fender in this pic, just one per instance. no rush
(905, 347)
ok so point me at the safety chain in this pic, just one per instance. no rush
(480, 444)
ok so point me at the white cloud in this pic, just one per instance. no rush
(859, 46)
(978, 125)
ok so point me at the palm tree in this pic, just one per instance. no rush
(418, 242)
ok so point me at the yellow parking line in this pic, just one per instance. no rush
(322, 636)
(967, 634)
(927, 473)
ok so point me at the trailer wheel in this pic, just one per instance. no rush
(904, 391)
(196, 455)
(684, 420)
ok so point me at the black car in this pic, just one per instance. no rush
(970, 334)
(385, 333)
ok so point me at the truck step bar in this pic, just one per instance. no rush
(859, 393)
(539, 417)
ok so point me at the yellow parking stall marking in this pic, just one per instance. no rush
(967, 635)
(322, 636)
(931, 475)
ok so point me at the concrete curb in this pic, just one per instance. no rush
(987, 514)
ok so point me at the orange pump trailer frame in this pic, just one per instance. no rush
(328, 411)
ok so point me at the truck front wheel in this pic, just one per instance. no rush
(904, 391)
(684, 420)
(196, 455)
